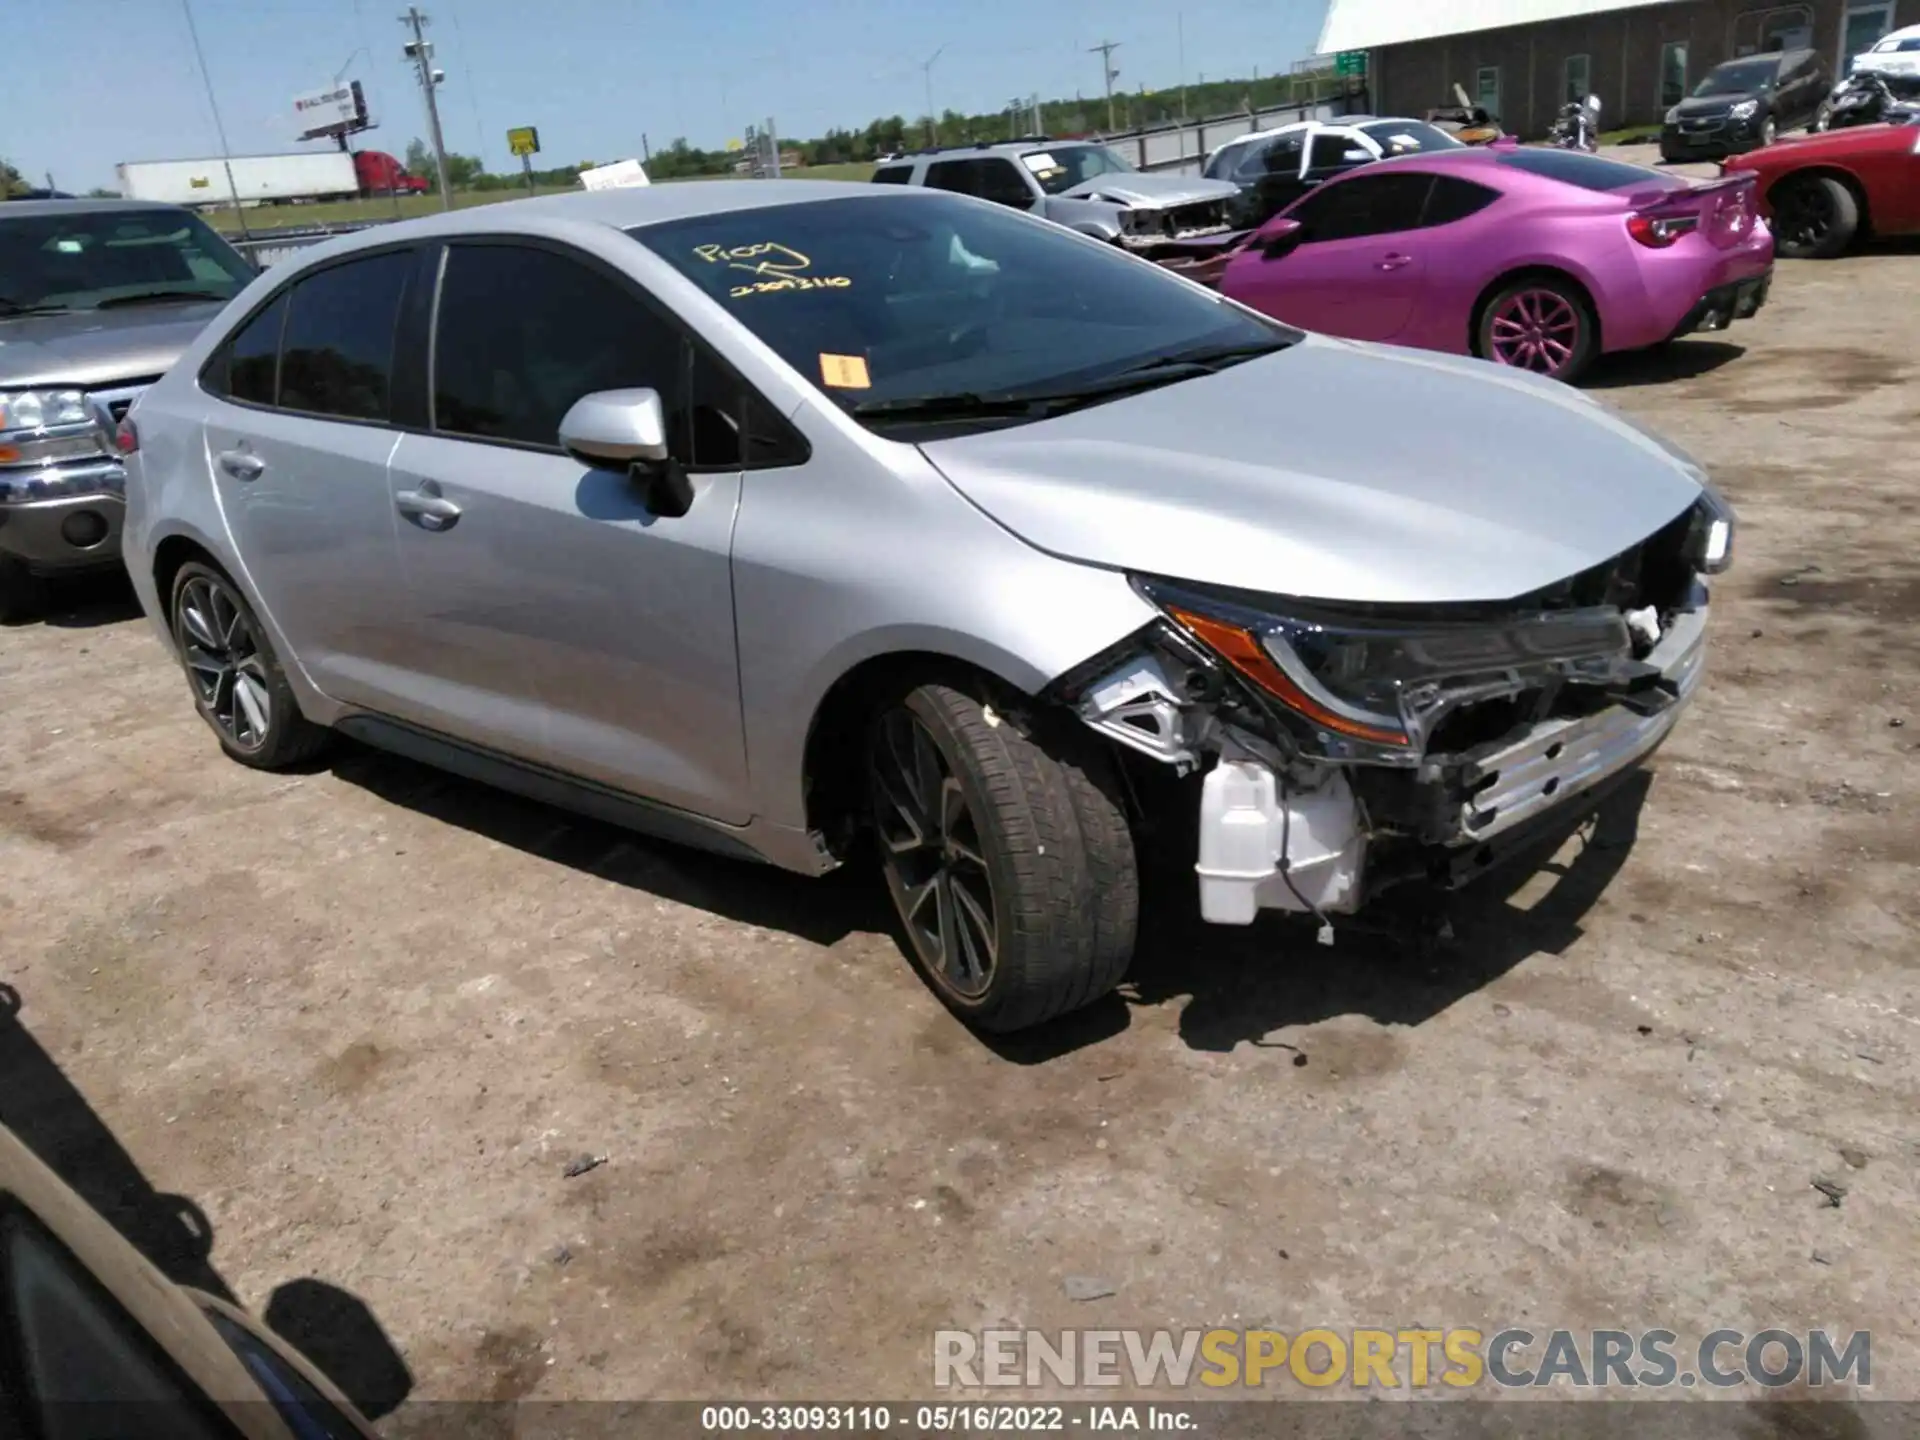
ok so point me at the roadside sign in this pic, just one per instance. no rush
(523, 140)
(1350, 62)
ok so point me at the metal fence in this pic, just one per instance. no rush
(269, 247)
(1180, 147)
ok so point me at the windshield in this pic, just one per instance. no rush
(903, 296)
(84, 259)
(1409, 137)
(1061, 167)
(1745, 77)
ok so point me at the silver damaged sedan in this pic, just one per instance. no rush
(799, 521)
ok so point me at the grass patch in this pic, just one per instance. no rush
(347, 212)
(1632, 135)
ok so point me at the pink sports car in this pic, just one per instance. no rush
(1530, 257)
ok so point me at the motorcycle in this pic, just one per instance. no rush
(1866, 98)
(1578, 127)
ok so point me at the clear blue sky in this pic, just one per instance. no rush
(95, 82)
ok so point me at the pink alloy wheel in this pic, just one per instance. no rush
(1536, 330)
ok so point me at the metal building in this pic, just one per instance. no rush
(1524, 59)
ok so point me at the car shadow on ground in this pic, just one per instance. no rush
(44, 1108)
(1239, 985)
(83, 602)
(1677, 360)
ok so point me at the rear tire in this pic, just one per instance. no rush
(237, 682)
(21, 594)
(1816, 218)
(1008, 856)
(1539, 324)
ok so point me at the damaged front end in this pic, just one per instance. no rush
(1347, 748)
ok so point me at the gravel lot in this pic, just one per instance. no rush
(363, 1018)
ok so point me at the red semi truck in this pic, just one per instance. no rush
(381, 174)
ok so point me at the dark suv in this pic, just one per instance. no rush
(97, 299)
(1743, 104)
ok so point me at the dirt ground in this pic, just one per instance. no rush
(363, 1018)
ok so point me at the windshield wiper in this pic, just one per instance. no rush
(159, 297)
(1038, 404)
(9, 308)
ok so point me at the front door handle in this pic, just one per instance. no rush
(1395, 262)
(240, 465)
(429, 511)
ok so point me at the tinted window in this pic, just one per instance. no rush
(524, 333)
(889, 296)
(336, 357)
(892, 174)
(1455, 199)
(101, 255)
(249, 366)
(1363, 205)
(75, 1344)
(1589, 172)
(1330, 151)
(990, 178)
(1284, 155)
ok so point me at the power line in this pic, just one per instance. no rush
(219, 126)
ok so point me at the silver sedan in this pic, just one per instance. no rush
(793, 519)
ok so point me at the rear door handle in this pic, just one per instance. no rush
(240, 465)
(429, 511)
(1394, 262)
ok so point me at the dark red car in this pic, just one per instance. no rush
(1822, 192)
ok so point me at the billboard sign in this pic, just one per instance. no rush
(335, 110)
(524, 140)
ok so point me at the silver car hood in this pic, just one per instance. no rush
(93, 348)
(1135, 187)
(1336, 471)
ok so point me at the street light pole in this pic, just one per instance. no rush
(420, 51)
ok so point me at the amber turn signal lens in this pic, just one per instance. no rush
(1242, 650)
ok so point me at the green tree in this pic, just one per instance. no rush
(419, 159)
(10, 181)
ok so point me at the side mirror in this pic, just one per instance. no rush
(1279, 237)
(627, 430)
(1355, 156)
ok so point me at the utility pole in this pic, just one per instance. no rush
(226, 155)
(1108, 74)
(926, 71)
(420, 51)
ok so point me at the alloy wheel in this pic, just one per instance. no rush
(224, 663)
(931, 850)
(1805, 215)
(1535, 330)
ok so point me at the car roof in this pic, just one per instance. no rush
(79, 207)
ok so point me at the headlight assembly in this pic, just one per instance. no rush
(1710, 537)
(41, 409)
(1744, 109)
(1357, 689)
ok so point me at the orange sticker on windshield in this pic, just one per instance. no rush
(845, 372)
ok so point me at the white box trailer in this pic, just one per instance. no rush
(259, 179)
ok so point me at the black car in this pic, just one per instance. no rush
(1743, 104)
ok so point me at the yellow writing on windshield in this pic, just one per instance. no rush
(778, 266)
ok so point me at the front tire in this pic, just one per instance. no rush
(236, 680)
(1008, 856)
(1815, 218)
(1539, 324)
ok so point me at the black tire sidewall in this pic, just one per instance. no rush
(1583, 352)
(21, 595)
(284, 720)
(924, 705)
(1846, 220)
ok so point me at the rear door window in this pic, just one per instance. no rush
(247, 369)
(1330, 149)
(893, 175)
(1455, 199)
(337, 350)
(1362, 205)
